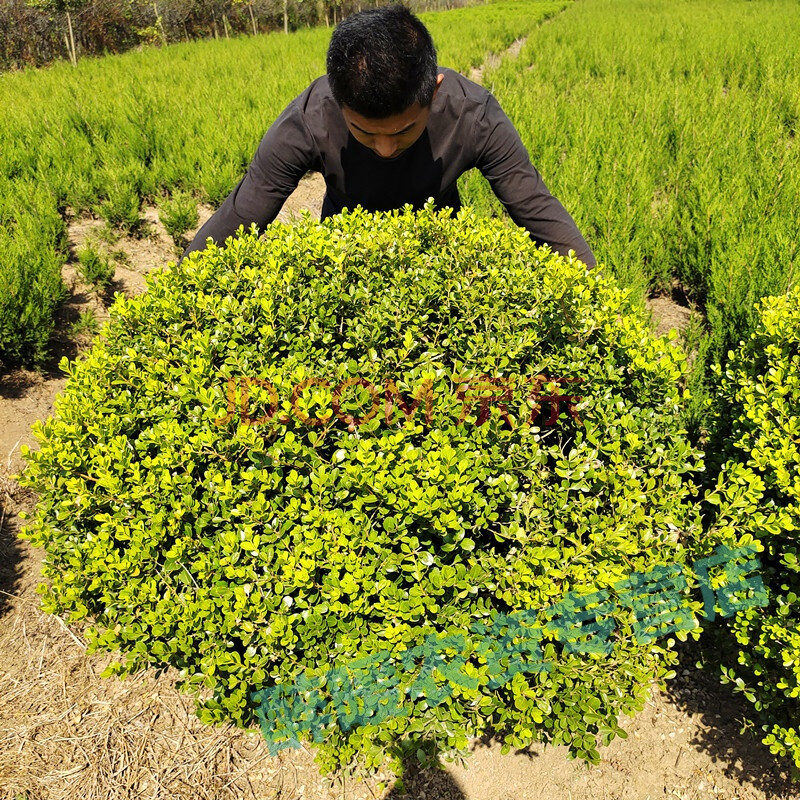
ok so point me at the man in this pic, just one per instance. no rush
(387, 126)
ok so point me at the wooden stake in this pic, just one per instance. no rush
(253, 19)
(72, 54)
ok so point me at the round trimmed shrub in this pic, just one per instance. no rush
(755, 420)
(330, 519)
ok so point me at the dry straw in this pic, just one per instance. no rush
(67, 734)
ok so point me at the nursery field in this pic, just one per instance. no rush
(668, 130)
(159, 126)
(672, 144)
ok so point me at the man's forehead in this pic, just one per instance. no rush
(387, 126)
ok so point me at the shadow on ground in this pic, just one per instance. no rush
(10, 557)
(426, 784)
(699, 691)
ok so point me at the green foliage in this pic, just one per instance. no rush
(178, 214)
(150, 34)
(86, 323)
(120, 207)
(32, 243)
(57, 6)
(247, 555)
(668, 130)
(757, 499)
(94, 268)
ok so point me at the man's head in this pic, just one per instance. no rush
(382, 73)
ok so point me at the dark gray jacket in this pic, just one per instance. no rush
(466, 128)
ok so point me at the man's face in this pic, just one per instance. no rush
(390, 137)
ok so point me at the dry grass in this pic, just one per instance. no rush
(67, 734)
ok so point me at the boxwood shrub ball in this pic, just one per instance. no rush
(754, 501)
(380, 434)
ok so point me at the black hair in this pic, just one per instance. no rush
(380, 61)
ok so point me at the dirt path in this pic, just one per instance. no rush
(67, 734)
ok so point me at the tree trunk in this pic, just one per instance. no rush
(225, 25)
(286, 16)
(253, 19)
(216, 30)
(72, 54)
(160, 24)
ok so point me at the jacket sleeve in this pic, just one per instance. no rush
(505, 163)
(286, 152)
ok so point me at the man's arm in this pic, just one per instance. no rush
(505, 163)
(285, 154)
